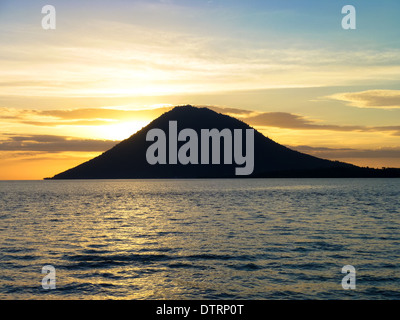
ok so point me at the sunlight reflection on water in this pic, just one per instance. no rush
(200, 239)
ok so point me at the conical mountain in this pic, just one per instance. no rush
(127, 159)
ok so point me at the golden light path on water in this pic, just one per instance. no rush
(200, 239)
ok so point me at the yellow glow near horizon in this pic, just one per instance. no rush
(118, 131)
(90, 85)
(39, 166)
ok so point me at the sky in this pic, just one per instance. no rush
(287, 68)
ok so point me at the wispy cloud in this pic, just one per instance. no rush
(338, 153)
(79, 116)
(51, 143)
(287, 120)
(154, 61)
(377, 99)
(234, 112)
(102, 113)
(107, 116)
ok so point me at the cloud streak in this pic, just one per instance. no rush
(52, 143)
(105, 116)
(287, 120)
(339, 153)
(377, 99)
(102, 62)
(78, 117)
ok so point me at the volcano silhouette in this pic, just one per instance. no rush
(127, 159)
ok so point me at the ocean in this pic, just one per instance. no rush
(200, 239)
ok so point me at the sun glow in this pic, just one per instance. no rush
(105, 73)
(120, 130)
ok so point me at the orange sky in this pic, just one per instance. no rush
(69, 94)
(66, 138)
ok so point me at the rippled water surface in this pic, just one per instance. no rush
(200, 239)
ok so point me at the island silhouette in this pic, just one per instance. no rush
(127, 159)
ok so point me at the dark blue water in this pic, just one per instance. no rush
(200, 239)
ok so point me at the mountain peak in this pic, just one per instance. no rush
(127, 159)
